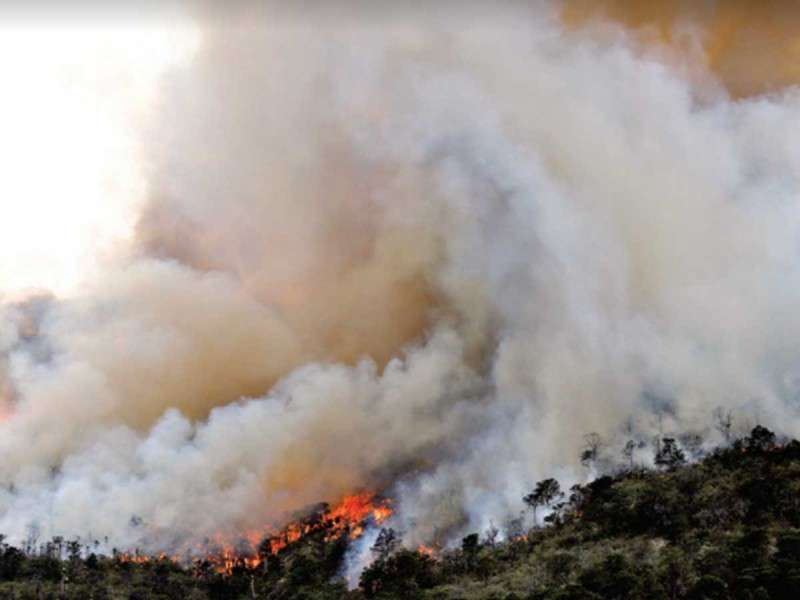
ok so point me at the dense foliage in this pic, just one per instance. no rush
(727, 526)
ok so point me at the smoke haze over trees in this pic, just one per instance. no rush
(418, 253)
(726, 527)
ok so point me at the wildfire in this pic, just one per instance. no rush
(354, 512)
(349, 517)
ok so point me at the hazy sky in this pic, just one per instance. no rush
(72, 95)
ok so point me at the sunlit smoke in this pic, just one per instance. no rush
(751, 47)
(73, 97)
(421, 256)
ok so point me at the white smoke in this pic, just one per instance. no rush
(424, 256)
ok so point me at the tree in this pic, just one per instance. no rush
(560, 564)
(669, 456)
(469, 548)
(577, 497)
(385, 545)
(693, 443)
(615, 577)
(787, 563)
(709, 587)
(544, 494)
(514, 527)
(402, 575)
(723, 422)
(674, 572)
(490, 536)
(554, 517)
(593, 443)
(549, 490)
(628, 451)
(532, 502)
(760, 439)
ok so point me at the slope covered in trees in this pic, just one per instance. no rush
(727, 526)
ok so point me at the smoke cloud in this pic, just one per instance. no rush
(423, 255)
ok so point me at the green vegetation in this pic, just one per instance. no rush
(725, 527)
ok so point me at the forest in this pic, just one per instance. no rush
(725, 526)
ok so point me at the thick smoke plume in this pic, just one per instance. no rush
(421, 254)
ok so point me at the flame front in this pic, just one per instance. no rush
(349, 517)
(428, 551)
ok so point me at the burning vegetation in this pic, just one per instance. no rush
(726, 526)
(223, 554)
(432, 255)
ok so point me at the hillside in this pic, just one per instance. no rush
(727, 526)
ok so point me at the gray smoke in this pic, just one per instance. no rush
(423, 255)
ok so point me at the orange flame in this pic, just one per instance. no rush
(349, 517)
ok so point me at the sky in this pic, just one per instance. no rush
(72, 97)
